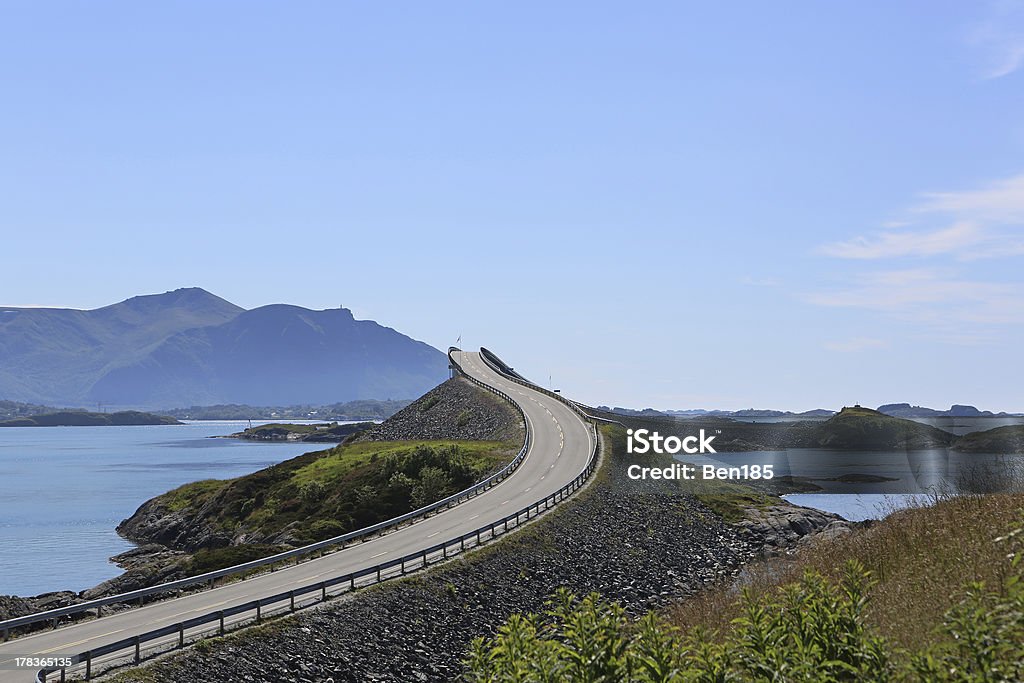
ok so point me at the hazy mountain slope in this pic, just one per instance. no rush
(189, 347)
(277, 354)
(52, 355)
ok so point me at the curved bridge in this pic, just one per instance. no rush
(559, 454)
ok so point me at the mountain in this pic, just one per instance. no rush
(907, 410)
(189, 347)
(55, 355)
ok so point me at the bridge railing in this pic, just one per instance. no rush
(319, 548)
(176, 635)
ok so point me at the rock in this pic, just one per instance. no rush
(456, 409)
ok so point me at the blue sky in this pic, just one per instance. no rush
(676, 205)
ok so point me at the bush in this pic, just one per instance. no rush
(325, 528)
(811, 630)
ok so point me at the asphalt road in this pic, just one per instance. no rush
(561, 446)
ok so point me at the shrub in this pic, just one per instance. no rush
(810, 630)
(326, 528)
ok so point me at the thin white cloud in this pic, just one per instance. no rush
(1000, 39)
(855, 345)
(1001, 202)
(972, 224)
(932, 296)
(940, 289)
(957, 238)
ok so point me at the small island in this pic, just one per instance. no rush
(317, 433)
(81, 418)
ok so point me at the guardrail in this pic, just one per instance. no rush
(175, 634)
(319, 548)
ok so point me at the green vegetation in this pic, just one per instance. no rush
(1005, 440)
(302, 432)
(77, 418)
(212, 559)
(853, 428)
(866, 429)
(922, 558)
(323, 494)
(812, 629)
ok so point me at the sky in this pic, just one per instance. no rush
(675, 205)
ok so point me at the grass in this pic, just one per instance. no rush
(190, 494)
(326, 493)
(922, 558)
(341, 462)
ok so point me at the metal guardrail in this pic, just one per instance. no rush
(319, 547)
(353, 580)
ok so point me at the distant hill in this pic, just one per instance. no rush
(80, 418)
(12, 409)
(363, 409)
(865, 429)
(1005, 440)
(189, 347)
(907, 410)
(745, 413)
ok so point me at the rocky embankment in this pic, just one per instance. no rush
(456, 409)
(640, 544)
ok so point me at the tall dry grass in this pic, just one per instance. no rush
(922, 557)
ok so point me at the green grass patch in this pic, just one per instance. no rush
(327, 493)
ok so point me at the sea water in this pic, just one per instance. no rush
(63, 491)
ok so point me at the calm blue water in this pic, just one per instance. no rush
(857, 507)
(63, 490)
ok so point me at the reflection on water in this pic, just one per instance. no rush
(880, 472)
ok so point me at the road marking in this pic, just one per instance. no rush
(61, 647)
(378, 555)
(542, 477)
(527, 490)
(473, 517)
(433, 534)
(506, 502)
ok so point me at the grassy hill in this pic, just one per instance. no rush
(1005, 440)
(860, 428)
(314, 496)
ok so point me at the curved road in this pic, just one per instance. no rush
(561, 446)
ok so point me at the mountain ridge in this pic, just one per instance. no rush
(191, 347)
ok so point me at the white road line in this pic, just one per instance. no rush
(373, 557)
(433, 534)
(79, 642)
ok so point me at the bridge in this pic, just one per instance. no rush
(558, 455)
